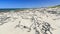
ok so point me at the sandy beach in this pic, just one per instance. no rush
(20, 22)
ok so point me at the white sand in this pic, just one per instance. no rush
(9, 26)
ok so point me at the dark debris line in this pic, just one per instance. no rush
(3, 19)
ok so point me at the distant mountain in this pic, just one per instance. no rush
(55, 6)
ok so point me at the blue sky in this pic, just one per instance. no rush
(27, 3)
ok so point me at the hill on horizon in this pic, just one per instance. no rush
(58, 6)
